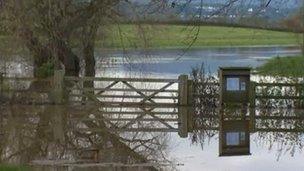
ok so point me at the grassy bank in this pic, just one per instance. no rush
(177, 36)
(285, 66)
(13, 168)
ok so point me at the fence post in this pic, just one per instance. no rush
(183, 105)
(252, 105)
(58, 108)
(58, 97)
(190, 106)
(301, 95)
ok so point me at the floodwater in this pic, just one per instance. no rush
(37, 136)
(171, 62)
(175, 62)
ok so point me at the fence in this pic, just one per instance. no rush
(270, 95)
(167, 105)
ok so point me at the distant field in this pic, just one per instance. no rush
(176, 36)
(286, 66)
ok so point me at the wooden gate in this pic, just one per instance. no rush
(126, 104)
(135, 104)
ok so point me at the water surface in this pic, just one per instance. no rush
(180, 62)
(266, 154)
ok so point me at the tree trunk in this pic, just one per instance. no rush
(67, 57)
(88, 52)
(89, 62)
(41, 55)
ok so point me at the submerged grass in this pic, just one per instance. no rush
(284, 66)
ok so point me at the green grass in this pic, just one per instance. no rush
(284, 66)
(177, 36)
(13, 168)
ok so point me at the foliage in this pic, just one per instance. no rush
(284, 66)
(45, 70)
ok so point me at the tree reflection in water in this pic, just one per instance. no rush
(53, 135)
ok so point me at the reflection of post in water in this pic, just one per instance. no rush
(1, 101)
(1, 85)
(2, 88)
(234, 136)
(58, 108)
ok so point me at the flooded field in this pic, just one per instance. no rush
(41, 138)
(68, 137)
(174, 62)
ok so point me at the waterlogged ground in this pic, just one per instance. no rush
(269, 151)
